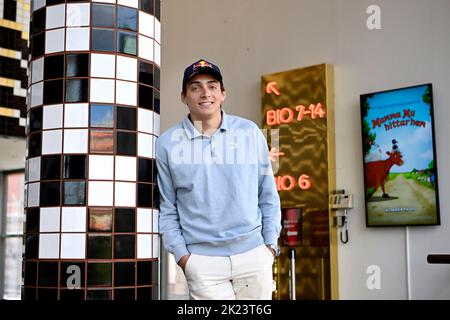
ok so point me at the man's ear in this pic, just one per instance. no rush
(183, 98)
(224, 95)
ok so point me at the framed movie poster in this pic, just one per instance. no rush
(399, 152)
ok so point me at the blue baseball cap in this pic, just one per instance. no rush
(202, 67)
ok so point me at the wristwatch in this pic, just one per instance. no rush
(275, 248)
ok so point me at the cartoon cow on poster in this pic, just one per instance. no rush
(376, 172)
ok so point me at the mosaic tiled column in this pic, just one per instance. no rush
(91, 227)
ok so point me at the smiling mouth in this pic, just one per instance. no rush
(206, 104)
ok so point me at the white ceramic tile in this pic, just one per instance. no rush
(54, 40)
(103, 65)
(49, 246)
(125, 194)
(145, 145)
(157, 54)
(51, 141)
(144, 220)
(126, 93)
(49, 219)
(155, 223)
(102, 90)
(145, 49)
(101, 167)
(146, 24)
(144, 246)
(100, 193)
(77, 39)
(76, 115)
(78, 14)
(37, 94)
(52, 116)
(129, 3)
(34, 169)
(126, 68)
(73, 246)
(156, 123)
(125, 168)
(56, 16)
(145, 120)
(157, 31)
(105, 1)
(73, 219)
(37, 70)
(155, 243)
(75, 141)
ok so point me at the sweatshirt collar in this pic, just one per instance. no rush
(192, 131)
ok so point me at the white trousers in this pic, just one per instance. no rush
(244, 276)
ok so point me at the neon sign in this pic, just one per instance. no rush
(295, 103)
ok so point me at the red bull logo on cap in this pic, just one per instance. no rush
(202, 64)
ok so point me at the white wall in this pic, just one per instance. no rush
(249, 38)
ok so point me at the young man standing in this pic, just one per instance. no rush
(219, 207)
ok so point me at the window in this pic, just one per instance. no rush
(12, 216)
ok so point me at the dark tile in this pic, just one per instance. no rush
(126, 118)
(51, 167)
(124, 220)
(53, 91)
(124, 294)
(32, 220)
(124, 274)
(54, 67)
(47, 294)
(103, 15)
(35, 119)
(158, 9)
(147, 6)
(144, 294)
(50, 194)
(126, 143)
(127, 18)
(145, 167)
(38, 45)
(38, 20)
(146, 73)
(99, 295)
(30, 273)
(157, 73)
(126, 42)
(74, 193)
(72, 295)
(100, 219)
(99, 246)
(156, 102)
(144, 273)
(144, 198)
(31, 246)
(124, 246)
(99, 274)
(103, 40)
(76, 90)
(34, 145)
(155, 196)
(29, 294)
(53, 2)
(145, 97)
(48, 274)
(75, 167)
(77, 65)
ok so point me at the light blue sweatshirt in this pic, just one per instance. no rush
(217, 194)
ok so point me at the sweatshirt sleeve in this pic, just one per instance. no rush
(169, 220)
(268, 198)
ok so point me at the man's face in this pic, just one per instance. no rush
(203, 97)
